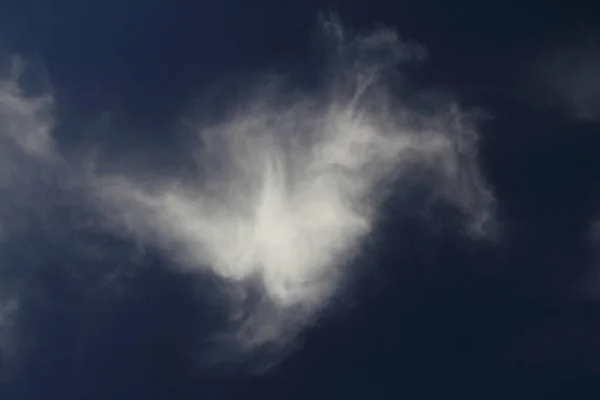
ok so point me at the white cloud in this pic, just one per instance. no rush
(27, 153)
(26, 121)
(27, 148)
(289, 186)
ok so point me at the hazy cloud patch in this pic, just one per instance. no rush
(288, 186)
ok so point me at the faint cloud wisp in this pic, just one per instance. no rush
(288, 189)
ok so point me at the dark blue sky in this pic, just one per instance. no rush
(442, 317)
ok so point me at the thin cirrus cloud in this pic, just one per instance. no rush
(27, 149)
(27, 152)
(290, 186)
(569, 76)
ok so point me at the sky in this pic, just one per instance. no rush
(292, 200)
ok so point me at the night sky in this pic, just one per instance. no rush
(428, 310)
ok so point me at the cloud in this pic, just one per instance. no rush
(286, 186)
(27, 121)
(27, 152)
(26, 144)
(27, 148)
(570, 79)
(291, 183)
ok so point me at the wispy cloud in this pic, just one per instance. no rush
(290, 185)
(286, 187)
(27, 151)
(27, 146)
(570, 79)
